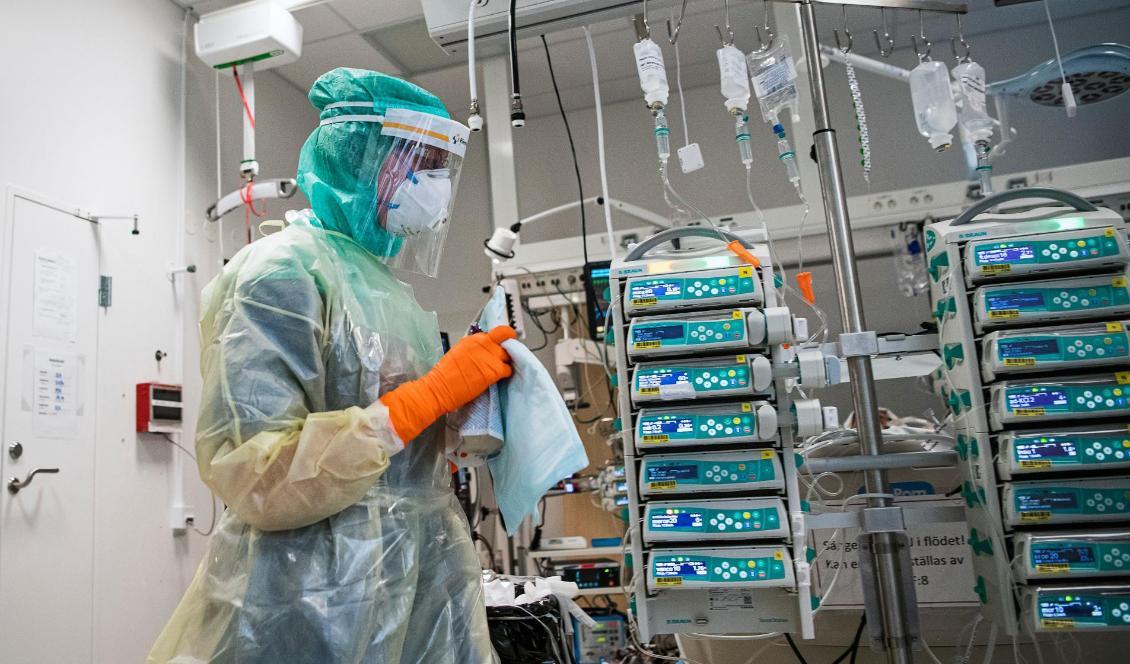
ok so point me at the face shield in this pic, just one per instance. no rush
(406, 185)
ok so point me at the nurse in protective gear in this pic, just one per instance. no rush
(322, 415)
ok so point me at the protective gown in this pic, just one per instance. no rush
(340, 544)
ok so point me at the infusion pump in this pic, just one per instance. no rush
(1032, 311)
(701, 354)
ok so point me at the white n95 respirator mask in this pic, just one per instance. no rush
(420, 203)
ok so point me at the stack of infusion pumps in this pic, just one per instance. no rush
(711, 493)
(1033, 313)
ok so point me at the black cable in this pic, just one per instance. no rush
(853, 648)
(572, 150)
(858, 633)
(796, 651)
(517, 116)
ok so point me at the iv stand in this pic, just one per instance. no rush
(888, 583)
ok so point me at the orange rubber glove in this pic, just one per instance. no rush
(474, 364)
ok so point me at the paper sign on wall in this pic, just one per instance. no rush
(939, 553)
(56, 298)
(56, 394)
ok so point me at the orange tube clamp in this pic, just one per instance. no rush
(804, 280)
(743, 253)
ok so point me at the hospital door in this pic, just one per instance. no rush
(49, 319)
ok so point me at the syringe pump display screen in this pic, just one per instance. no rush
(1015, 300)
(1071, 608)
(1029, 348)
(675, 425)
(689, 518)
(682, 568)
(1037, 399)
(1063, 555)
(656, 289)
(672, 472)
(1050, 500)
(658, 333)
(1037, 451)
(1007, 254)
(660, 378)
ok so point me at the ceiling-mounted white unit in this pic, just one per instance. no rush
(447, 19)
(261, 32)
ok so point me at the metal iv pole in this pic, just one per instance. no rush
(888, 585)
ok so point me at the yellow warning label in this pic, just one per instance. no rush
(996, 269)
(647, 344)
(768, 454)
(657, 438)
(1005, 313)
(1108, 232)
(1057, 623)
(1123, 377)
(1029, 412)
(747, 407)
(662, 486)
(649, 390)
(1114, 327)
(737, 315)
(669, 581)
(1035, 517)
(1053, 568)
(1020, 361)
(1035, 464)
(777, 555)
(745, 271)
(644, 301)
(1118, 282)
(740, 359)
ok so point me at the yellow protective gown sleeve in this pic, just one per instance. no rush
(265, 445)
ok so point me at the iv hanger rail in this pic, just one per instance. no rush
(942, 6)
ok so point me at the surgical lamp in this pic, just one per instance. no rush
(500, 246)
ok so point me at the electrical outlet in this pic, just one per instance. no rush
(550, 282)
(181, 518)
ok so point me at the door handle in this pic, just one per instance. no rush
(14, 483)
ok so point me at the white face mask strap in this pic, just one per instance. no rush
(352, 118)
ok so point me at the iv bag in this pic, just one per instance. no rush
(910, 260)
(652, 72)
(934, 108)
(735, 78)
(972, 115)
(773, 75)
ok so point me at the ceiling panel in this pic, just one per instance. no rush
(345, 51)
(320, 22)
(369, 14)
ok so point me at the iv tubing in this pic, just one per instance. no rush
(682, 99)
(600, 144)
(472, 77)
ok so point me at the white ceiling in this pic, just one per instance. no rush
(333, 37)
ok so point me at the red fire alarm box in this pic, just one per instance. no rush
(160, 408)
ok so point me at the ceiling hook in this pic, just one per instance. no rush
(836, 33)
(672, 37)
(886, 53)
(922, 56)
(764, 42)
(960, 39)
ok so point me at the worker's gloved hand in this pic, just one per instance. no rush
(466, 371)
